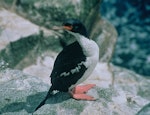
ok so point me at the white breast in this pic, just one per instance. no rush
(91, 51)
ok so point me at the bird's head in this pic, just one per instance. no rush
(74, 27)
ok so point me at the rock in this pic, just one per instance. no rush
(20, 94)
(13, 27)
(145, 110)
(21, 41)
(41, 69)
(15, 89)
(106, 39)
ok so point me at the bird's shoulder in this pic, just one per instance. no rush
(72, 52)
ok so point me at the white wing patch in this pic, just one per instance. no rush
(72, 71)
(65, 74)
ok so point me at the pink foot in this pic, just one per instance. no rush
(83, 97)
(79, 92)
(82, 88)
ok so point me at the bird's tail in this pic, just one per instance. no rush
(49, 94)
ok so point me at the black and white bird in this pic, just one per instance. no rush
(74, 63)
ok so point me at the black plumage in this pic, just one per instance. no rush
(69, 59)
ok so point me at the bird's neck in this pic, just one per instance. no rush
(81, 39)
(89, 47)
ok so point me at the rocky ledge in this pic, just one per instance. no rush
(21, 93)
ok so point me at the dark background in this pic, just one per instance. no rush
(132, 21)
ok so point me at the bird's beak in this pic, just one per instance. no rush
(57, 28)
(69, 28)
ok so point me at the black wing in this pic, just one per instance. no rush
(68, 59)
